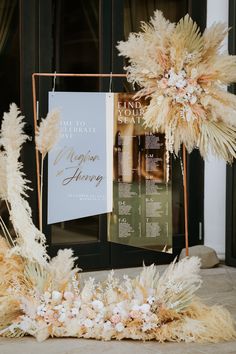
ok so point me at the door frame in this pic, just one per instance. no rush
(36, 53)
(230, 245)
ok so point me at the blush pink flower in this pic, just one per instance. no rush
(115, 319)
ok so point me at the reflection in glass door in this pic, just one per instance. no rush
(85, 38)
(76, 51)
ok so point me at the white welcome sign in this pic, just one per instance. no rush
(80, 165)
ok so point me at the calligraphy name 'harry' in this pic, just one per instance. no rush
(78, 160)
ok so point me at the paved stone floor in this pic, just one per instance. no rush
(219, 287)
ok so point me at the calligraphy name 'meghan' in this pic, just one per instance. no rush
(70, 155)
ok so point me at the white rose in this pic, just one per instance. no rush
(190, 89)
(62, 317)
(136, 308)
(145, 308)
(56, 295)
(47, 296)
(88, 323)
(107, 325)
(180, 83)
(74, 311)
(119, 327)
(193, 99)
(97, 305)
(151, 300)
(116, 310)
(41, 310)
(77, 304)
(68, 295)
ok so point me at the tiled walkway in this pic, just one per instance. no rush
(219, 287)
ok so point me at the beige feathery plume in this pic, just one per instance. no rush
(31, 242)
(48, 132)
(12, 138)
(178, 284)
(62, 268)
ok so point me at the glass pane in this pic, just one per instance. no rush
(136, 11)
(76, 43)
(9, 72)
(76, 50)
(75, 231)
(9, 54)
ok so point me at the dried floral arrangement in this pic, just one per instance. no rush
(45, 297)
(185, 76)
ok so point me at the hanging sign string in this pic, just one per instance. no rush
(110, 82)
(54, 81)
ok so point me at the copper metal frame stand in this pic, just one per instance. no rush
(185, 200)
(35, 75)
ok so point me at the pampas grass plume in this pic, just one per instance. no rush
(48, 132)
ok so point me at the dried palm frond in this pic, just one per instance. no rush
(36, 276)
(62, 268)
(185, 80)
(220, 138)
(9, 310)
(189, 34)
(10, 267)
(213, 38)
(179, 283)
(186, 38)
(149, 277)
(12, 332)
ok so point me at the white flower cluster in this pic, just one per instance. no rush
(181, 89)
(69, 311)
(58, 306)
(113, 309)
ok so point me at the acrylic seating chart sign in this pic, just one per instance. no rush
(142, 200)
(80, 164)
(94, 139)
